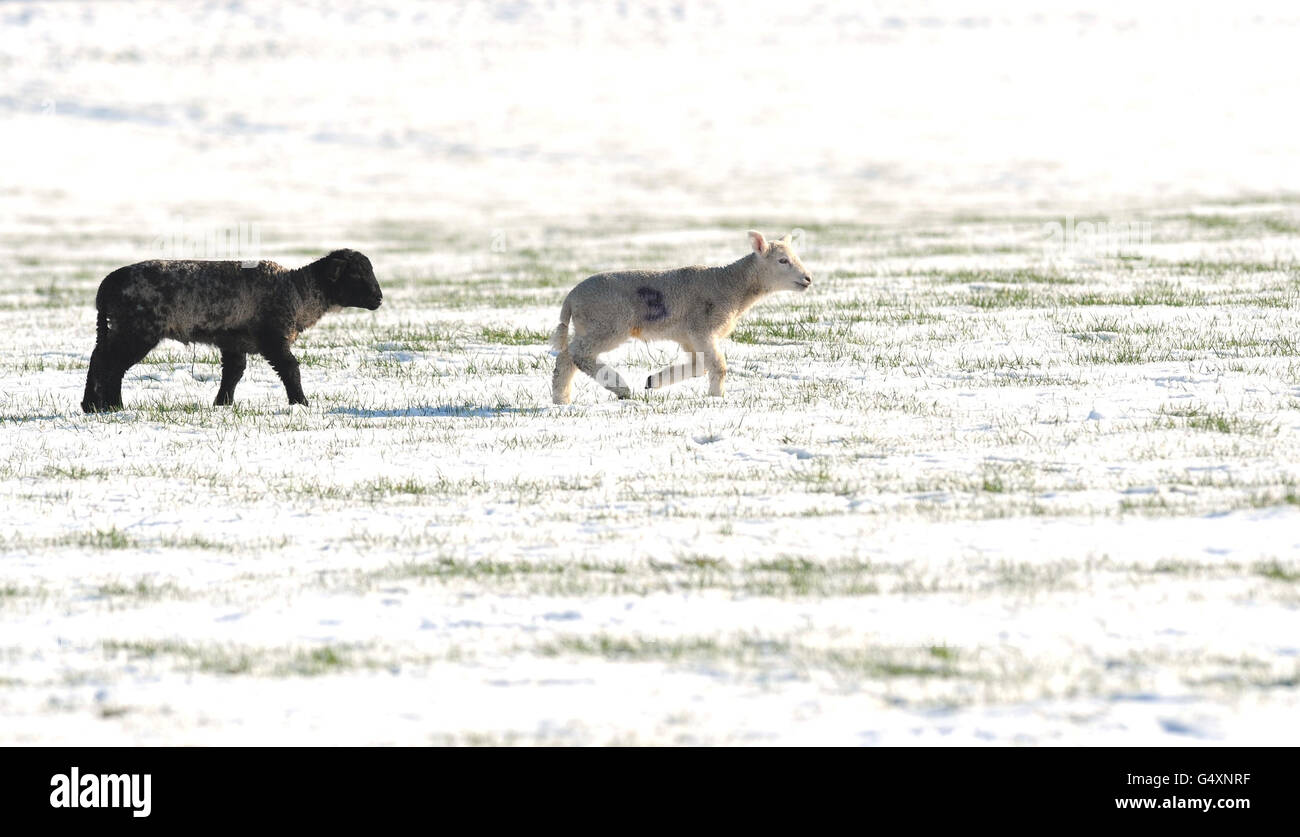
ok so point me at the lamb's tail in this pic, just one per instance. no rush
(560, 337)
(108, 299)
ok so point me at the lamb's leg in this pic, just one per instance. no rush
(717, 366)
(233, 364)
(586, 351)
(276, 351)
(562, 380)
(93, 401)
(676, 373)
(125, 351)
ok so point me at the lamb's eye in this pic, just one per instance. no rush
(785, 261)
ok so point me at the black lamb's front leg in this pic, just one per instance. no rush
(233, 363)
(275, 348)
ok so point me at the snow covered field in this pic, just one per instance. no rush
(973, 487)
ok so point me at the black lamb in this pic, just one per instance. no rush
(238, 309)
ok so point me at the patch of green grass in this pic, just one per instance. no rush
(205, 658)
(169, 410)
(384, 486)
(1010, 276)
(992, 298)
(445, 568)
(141, 589)
(794, 576)
(767, 331)
(1214, 222)
(868, 662)
(1200, 418)
(1201, 267)
(514, 337)
(111, 538)
(1242, 224)
(1275, 571)
(952, 249)
(12, 591)
(781, 577)
(204, 543)
(316, 662)
(73, 472)
(1147, 294)
(1034, 578)
(228, 660)
(421, 337)
(57, 295)
(993, 484)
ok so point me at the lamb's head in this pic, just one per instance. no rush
(348, 280)
(779, 267)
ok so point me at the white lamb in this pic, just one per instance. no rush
(693, 306)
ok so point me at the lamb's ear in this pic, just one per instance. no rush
(757, 240)
(332, 268)
(785, 239)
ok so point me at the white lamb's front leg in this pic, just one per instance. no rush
(717, 365)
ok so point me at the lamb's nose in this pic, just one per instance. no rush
(807, 278)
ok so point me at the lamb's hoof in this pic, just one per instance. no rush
(623, 393)
(90, 408)
(648, 379)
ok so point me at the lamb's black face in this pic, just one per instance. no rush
(353, 283)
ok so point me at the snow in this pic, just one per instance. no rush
(928, 512)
